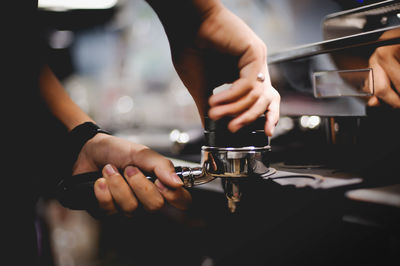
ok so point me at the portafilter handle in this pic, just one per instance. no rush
(77, 192)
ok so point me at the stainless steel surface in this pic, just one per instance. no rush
(233, 164)
(236, 162)
(195, 176)
(230, 164)
(371, 38)
(342, 51)
(358, 20)
(343, 83)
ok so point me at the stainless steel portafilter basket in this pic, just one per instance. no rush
(235, 156)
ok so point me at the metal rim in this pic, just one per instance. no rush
(248, 148)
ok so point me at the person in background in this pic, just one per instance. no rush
(49, 136)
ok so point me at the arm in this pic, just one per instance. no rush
(210, 46)
(58, 101)
(110, 154)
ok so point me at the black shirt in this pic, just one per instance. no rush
(32, 139)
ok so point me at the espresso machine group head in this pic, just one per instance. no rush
(229, 156)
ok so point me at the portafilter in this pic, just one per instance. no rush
(225, 155)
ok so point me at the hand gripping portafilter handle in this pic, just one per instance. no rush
(77, 192)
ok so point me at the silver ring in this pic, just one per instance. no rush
(260, 77)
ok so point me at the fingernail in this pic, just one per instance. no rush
(102, 184)
(160, 186)
(131, 171)
(176, 179)
(109, 170)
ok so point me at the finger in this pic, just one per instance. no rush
(234, 108)
(153, 162)
(272, 118)
(270, 101)
(382, 87)
(180, 198)
(103, 196)
(252, 62)
(120, 190)
(145, 191)
(391, 67)
(238, 89)
(373, 101)
(247, 117)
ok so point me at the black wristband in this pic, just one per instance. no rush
(78, 136)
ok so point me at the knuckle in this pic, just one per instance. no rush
(247, 84)
(214, 113)
(249, 117)
(104, 202)
(232, 111)
(107, 205)
(263, 50)
(156, 204)
(262, 45)
(130, 207)
(380, 92)
(167, 163)
(276, 95)
(382, 53)
(251, 44)
(254, 94)
(174, 197)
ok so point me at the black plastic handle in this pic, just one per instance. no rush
(77, 192)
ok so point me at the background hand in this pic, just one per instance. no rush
(385, 62)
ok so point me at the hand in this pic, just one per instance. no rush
(385, 62)
(226, 50)
(115, 193)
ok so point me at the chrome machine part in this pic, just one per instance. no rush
(193, 176)
(240, 162)
(233, 156)
(233, 164)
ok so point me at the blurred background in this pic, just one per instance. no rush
(113, 58)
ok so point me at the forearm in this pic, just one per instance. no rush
(182, 7)
(182, 18)
(59, 102)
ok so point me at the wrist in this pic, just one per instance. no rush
(79, 136)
